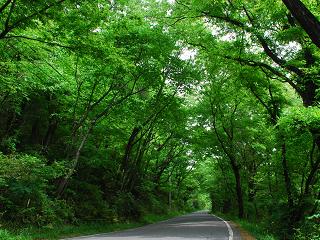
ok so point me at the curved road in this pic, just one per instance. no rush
(195, 226)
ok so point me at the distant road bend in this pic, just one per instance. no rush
(195, 226)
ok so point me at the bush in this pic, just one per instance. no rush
(88, 201)
(24, 190)
(127, 207)
(308, 231)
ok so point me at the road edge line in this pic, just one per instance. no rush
(228, 226)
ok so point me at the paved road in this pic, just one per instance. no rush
(195, 226)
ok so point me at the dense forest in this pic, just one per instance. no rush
(113, 109)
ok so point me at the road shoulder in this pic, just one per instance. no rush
(244, 235)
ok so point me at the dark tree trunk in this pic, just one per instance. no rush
(309, 93)
(52, 127)
(35, 132)
(252, 191)
(126, 158)
(129, 146)
(252, 170)
(50, 132)
(236, 172)
(305, 18)
(226, 205)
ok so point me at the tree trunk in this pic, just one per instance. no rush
(126, 158)
(309, 93)
(65, 180)
(301, 206)
(236, 172)
(286, 175)
(305, 18)
(52, 127)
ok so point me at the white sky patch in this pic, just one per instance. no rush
(267, 33)
(165, 29)
(217, 32)
(255, 49)
(189, 152)
(100, 6)
(229, 37)
(98, 29)
(208, 128)
(188, 54)
(289, 50)
(294, 45)
(153, 24)
(191, 167)
(169, 1)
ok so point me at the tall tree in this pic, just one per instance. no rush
(306, 19)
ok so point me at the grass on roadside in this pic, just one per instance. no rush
(153, 218)
(63, 231)
(5, 235)
(256, 230)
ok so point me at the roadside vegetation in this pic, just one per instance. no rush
(81, 229)
(116, 111)
(52, 232)
(257, 230)
(249, 230)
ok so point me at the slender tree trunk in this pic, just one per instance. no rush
(52, 127)
(314, 168)
(251, 189)
(291, 208)
(252, 171)
(286, 175)
(233, 161)
(66, 179)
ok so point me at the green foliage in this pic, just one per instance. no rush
(25, 187)
(5, 235)
(300, 119)
(128, 207)
(89, 203)
(309, 230)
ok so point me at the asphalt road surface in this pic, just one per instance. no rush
(195, 226)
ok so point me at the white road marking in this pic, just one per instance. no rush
(229, 228)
